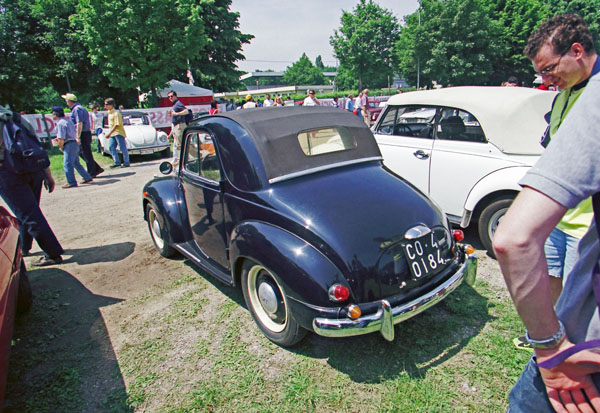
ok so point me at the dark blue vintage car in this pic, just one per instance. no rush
(295, 205)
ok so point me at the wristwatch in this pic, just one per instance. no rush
(552, 341)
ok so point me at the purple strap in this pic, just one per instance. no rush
(562, 356)
(586, 345)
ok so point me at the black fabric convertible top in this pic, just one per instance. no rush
(275, 132)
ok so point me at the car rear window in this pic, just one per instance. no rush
(326, 140)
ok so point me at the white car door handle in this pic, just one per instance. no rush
(421, 154)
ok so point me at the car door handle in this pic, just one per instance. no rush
(421, 154)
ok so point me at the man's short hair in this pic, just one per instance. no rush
(172, 92)
(59, 111)
(560, 31)
(109, 101)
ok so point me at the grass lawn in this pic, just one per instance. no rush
(201, 352)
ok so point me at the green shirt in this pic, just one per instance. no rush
(576, 221)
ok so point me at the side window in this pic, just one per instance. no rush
(192, 160)
(459, 125)
(200, 156)
(417, 121)
(209, 164)
(386, 126)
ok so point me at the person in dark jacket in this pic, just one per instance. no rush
(22, 193)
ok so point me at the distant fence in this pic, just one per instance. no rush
(45, 126)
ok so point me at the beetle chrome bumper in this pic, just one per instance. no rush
(385, 318)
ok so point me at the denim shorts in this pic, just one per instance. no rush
(561, 253)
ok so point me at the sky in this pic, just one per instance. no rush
(284, 29)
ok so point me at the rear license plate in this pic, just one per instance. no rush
(423, 255)
(146, 151)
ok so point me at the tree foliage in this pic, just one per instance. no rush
(215, 66)
(364, 44)
(450, 42)
(588, 9)
(478, 42)
(517, 19)
(109, 48)
(140, 43)
(303, 72)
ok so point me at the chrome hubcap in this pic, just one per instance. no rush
(268, 299)
(155, 229)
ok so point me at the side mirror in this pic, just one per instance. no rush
(165, 168)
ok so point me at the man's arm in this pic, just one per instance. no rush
(48, 180)
(519, 247)
(79, 129)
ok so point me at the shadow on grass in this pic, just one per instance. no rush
(106, 253)
(63, 358)
(420, 343)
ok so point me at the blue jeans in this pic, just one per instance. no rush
(112, 147)
(71, 161)
(561, 253)
(22, 193)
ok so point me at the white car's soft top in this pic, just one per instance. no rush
(512, 118)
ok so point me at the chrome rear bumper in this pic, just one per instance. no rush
(385, 318)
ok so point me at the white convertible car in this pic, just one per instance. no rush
(142, 138)
(465, 147)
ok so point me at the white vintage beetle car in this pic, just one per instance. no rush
(142, 138)
(465, 147)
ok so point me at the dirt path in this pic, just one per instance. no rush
(109, 258)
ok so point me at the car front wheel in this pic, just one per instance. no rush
(268, 305)
(489, 219)
(158, 232)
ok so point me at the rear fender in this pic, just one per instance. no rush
(305, 273)
(167, 196)
(503, 180)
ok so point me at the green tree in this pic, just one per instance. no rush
(517, 19)
(364, 44)
(319, 62)
(454, 43)
(141, 43)
(68, 67)
(588, 9)
(303, 72)
(215, 66)
(20, 54)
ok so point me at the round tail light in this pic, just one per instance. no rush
(338, 292)
(458, 235)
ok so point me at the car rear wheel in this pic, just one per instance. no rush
(158, 232)
(489, 219)
(268, 305)
(24, 295)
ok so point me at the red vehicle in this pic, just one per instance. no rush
(376, 106)
(15, 291)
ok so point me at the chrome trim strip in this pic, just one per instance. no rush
(386, 317)
(323, 168)
(417, 231)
